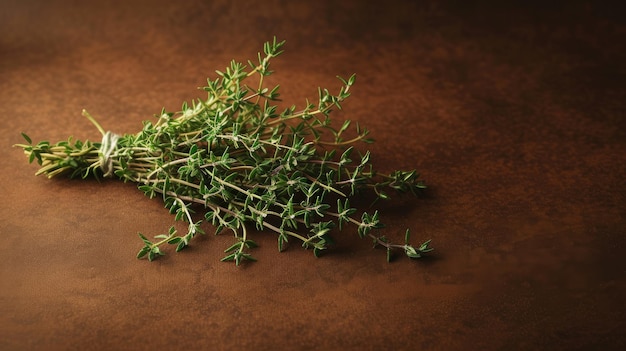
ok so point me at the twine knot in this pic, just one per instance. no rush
(108, 145)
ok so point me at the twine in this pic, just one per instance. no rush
(108, 145)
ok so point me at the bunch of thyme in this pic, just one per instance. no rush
(243, 163)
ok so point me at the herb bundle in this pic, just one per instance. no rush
(244, 163)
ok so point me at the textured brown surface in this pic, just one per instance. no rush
(514, 115)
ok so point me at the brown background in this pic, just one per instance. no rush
(514, 115)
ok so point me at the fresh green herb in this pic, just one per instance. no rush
(243, 163)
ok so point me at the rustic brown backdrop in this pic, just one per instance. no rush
(514, 114)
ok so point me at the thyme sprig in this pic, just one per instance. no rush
(243, 163)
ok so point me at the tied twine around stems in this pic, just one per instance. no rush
(108, 145)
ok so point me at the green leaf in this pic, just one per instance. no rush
(317, 251)
(411, 252)
(233, 247)
(180, 214)
(143, 252)
(28, 140)
(248, 257)
(344, 126)
(365, 159)
(425, 247)
(230, 257)
(250, 244)
(352, 79)
(345, 157)
(175, 240)
(145, 240)
(382, 195)
(181, 245)
(282, 239)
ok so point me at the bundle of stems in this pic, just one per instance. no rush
(243, 163)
